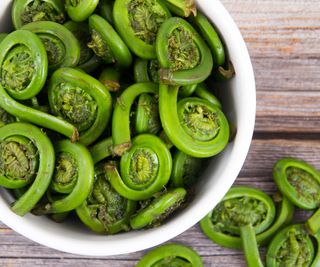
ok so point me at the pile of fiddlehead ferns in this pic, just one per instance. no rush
(106, 109)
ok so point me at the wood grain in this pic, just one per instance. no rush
(283, 40)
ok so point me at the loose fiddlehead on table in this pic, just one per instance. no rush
(183, 55)
(171, 255)
(193, 125)
(26, 154)
(244, 212)
(27, 11)
(121, 133)
(144, 169)
(105, 211)
(73, 178)
(63, 48)
(138, 22)
(81, 100)
(26, 46)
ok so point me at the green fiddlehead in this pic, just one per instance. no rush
(121, 115)
(300, 182)
(105, 211)
(81, 100)
(174, 255)
(2, 36)
(218, 235)
(107, 44)
(80, 10)
(243, 211)
(27, 11)
(203, 92)
(23, 64)
(145, 168)
(183, 55)
(19, 44)
(147, 118)
(159, 209)
(62, 46)
(138, 22)
(194, 125)
(73, 176)
(290, 247)
(26, 154)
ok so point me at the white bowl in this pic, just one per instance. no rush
(239, 102)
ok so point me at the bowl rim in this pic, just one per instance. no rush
(97, 246)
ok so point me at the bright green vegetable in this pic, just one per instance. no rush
(20, 153)
(171, 255)
(80, 10)
(63, 48)
(27, 11)
(145, 168)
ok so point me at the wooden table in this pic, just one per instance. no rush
(283, 38)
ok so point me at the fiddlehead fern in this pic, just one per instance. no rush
(121, 115)
(26, 154)
(81, 100)
(171, 255)
(243, 211)
(80, 10)
(107, 44)
(138, 22)
(15, 43)
(2, 36)
(183, 55)
(23, 64)
(159, 209)
(73, 176)
(101, 150)
(145, 168)
(194, 125)
(290, 247)
(62, 46)
(27, 11)
(105, 211)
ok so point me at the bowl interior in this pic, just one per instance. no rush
(238, 99)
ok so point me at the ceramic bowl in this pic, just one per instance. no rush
(239, 102)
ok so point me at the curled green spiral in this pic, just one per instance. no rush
(27, 11)
(73, 176)
(81, 100)
(27, 155)
(61, 45)
(171, 255)
(138, 22)
(183, 55)
(244, 212)
(145, 168)
(290, 247)
(105, 211)
(194, 125)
